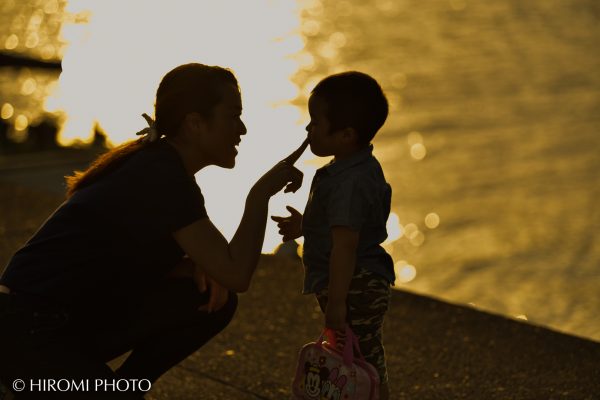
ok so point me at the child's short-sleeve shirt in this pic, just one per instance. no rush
(352, 193)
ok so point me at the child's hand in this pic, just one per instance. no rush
(289, 227)
(335, 316)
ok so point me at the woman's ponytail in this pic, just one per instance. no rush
(102, 166)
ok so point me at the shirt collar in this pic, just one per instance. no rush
(335, 167)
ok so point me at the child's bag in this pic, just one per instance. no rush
(326, 373)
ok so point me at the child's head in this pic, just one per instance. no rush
(351, 104)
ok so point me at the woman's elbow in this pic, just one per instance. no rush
(242, 286)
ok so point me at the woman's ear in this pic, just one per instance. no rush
(194, 122)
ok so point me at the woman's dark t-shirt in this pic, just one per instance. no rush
(113, 239)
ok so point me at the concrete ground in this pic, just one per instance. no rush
(435, 350)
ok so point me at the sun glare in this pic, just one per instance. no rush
(118, 51)
(394, 228)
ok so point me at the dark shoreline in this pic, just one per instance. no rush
(19, 61)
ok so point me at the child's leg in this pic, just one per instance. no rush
(368, 301)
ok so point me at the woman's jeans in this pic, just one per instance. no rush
(41, 343)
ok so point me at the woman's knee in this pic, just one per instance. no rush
(220, 318)
(225, 314)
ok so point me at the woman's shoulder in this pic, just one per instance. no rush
(150, 170)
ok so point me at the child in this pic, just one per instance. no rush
(344, 222)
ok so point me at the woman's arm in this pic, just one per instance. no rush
(232, 264)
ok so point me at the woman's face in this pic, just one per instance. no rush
(224, 129)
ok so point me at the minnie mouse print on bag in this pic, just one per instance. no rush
(326, 373)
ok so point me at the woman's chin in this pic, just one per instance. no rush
(228, 163)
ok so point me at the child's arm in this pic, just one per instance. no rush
(341, 269)
(289, 227)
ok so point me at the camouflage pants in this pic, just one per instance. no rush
(368, 300)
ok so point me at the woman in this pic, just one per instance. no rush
(131, 261)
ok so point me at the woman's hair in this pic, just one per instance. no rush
(188, 88)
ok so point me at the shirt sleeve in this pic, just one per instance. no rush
(349, 204)
(173, 198)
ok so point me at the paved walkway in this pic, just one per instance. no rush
(435, 350)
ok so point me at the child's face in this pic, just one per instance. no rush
(322, 141)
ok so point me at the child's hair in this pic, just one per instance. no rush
(354, 99)
(187, 88)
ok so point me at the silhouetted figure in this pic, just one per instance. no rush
(5, 143)
(99, 141)
(131, 261)
(344, 222)
(43, 135)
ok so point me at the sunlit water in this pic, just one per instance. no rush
(491, 146)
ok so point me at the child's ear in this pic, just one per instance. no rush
(350, 134)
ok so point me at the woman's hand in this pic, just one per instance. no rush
(289, 227)
(283, 174)
(218, 294)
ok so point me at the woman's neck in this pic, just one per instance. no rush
(192, 161)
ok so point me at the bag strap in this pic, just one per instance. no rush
(328, 334)
(351, 346)
(350, 334)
